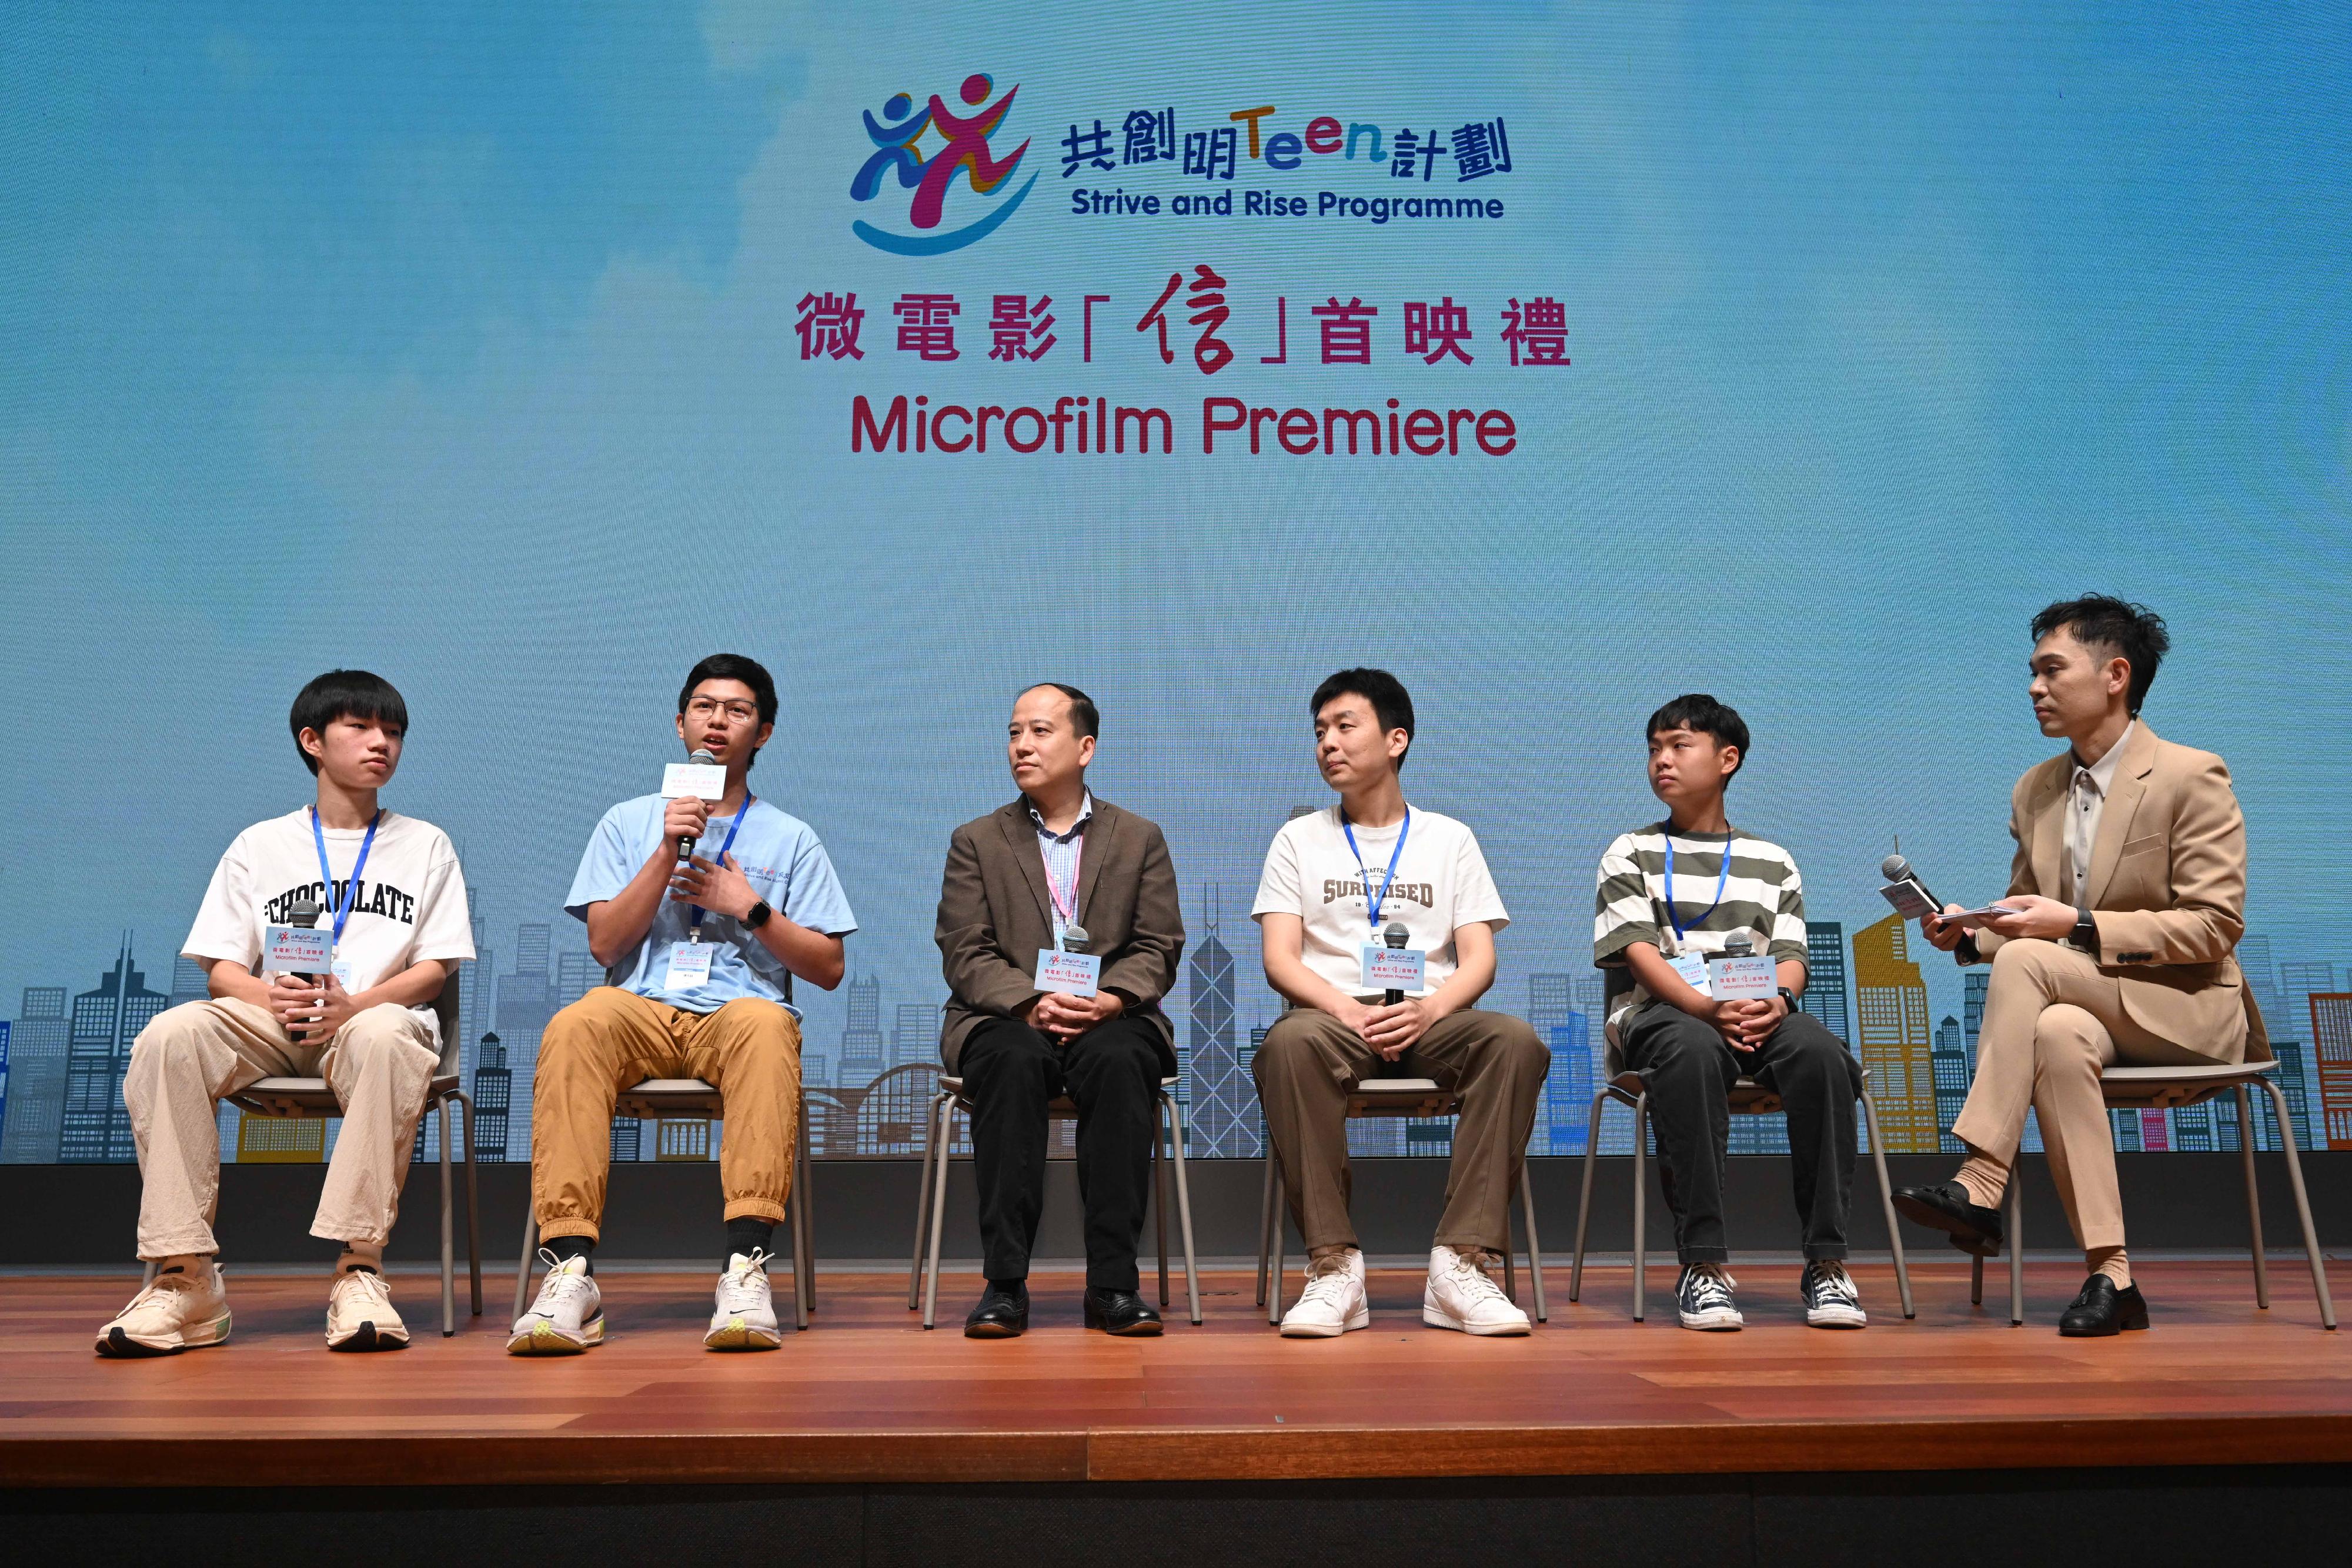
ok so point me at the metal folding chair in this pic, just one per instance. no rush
(1748, 1098)
(2170, 1088)
(931, 1197)
(1420, 1098)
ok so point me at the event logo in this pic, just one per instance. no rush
(963, 145)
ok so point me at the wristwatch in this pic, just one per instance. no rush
(2085, 934)
(758, 916)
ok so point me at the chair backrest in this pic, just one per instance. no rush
(445, 1007)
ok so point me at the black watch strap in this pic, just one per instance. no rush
(1789, 996)
(758, 915)
(2087, 932)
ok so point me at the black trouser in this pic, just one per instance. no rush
(1010, 1073)
(1689, 1072)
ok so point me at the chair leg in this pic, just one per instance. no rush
(804, 1212)
(2253, 1194)
(1510, 1252)
(448, 1233)
(1160, 1206)
(2016, 1247)
(1640, 1204)
(1886, 1203)
(1183, 1205)
(1976, 1280)
(922, 1207)
(939, 1211)
(1535, 1248)
(473, 1207)
(1584, 1199)
(1280, 1241)
(1264, 1223)
(147, 1275)
(2303, 1209)
(522, 1269)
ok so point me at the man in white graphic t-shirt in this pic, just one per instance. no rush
(389, 892)
(1371, 871)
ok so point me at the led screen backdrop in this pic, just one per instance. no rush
(1559, 359)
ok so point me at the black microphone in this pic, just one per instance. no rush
(1396, 936)
(703, 758)
(1894, 868)
(303, 916)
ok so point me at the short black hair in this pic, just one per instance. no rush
(1702, 714)
(734, 667)
(1391, 704)
(2133, 631)
(1085, 717)
(343, 694)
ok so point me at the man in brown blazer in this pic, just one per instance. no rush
(2128, 891)
(1058, 872)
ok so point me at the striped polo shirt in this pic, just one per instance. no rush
(1763, 895)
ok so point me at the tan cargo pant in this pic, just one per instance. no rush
(2051, 1021)
(189, 1058)
(1310, 1061)
(610, 1040)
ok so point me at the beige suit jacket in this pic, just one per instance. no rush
(995, 915)
(2168, 888)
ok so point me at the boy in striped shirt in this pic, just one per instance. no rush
(1670, 896)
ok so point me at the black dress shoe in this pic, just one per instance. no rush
(2102, 1309)
(1000, 1313)
(1947, 1207)
(1120, 1312)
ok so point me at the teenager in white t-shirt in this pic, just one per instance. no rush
(1334, 882)
(367, 1028)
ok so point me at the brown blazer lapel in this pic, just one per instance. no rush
(2050, 837)
(1101, 837)
(1021, 834)
(2115, 821)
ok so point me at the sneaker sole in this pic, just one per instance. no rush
(120, 1346)
(1361, 1318)
(1849, 1318)
(1711, 1322)
(367, 1336)
(1438, 1318)
(737, 1334)
(541, 1339)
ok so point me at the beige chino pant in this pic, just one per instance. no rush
(612, 1040)
(1310, 1063)
(2051, 1021)
(189, 1058)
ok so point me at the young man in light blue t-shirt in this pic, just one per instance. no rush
(700, 956)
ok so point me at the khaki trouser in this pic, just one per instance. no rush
(2051, 1021)
(190, 1057)
(611, 1040)
(1310, 1063)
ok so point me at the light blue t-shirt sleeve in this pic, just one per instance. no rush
(815, 900)
(606, 867)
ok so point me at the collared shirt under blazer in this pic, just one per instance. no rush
(995, 914)
(2167, 888)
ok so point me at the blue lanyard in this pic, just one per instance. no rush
(1721, 877)
(1372, 904)
(695, 921)
(351, 898)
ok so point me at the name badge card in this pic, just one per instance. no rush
(1692, 968)
(1394, 968)
(1070, 973)
(1755, 976)
(342, 972)
(294, 950)
(704, 780)
(689, 966)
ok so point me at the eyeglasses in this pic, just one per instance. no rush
(705, 707)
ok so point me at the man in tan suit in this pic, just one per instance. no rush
(1059, 874)
(2128, 893)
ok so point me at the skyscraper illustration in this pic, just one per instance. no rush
(1949, 1064)
(1551, 1013)
(105, 1022)
(1890, 1005)
(36, 1078)
(864, 1052)
(493, 1093)
(4, 1072)
(915, 1037)
(2331, 1040)
(526, 1001)
(1224, 1100)
(1824, 995)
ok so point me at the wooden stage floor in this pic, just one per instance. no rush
(865, 1395)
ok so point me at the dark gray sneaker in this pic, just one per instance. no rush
(1702, 1297)
(1831, 1300)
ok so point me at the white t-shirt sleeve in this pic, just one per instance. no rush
(1279, 890)
(1475, 899)
(224, 926)
(444, 927)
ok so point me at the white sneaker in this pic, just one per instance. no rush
(184, 1308)
(1703, 1297)
(746, 1318)
(1831, 1300)
(360, 1314)
(1334, 1302)
(568, 1317)
(1459, 1295)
